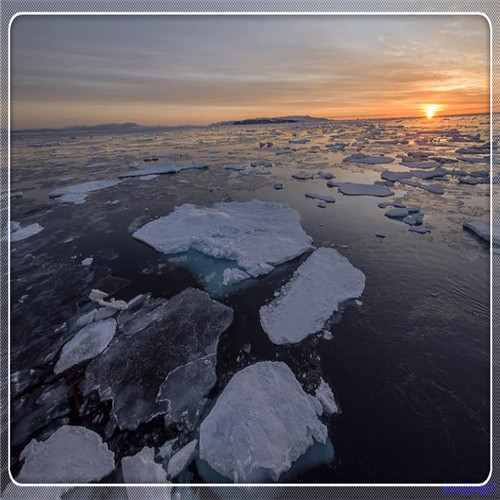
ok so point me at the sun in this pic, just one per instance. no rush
(431, 109)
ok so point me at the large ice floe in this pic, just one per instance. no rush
(77, 193)
(169, 168)
(145, 371)
(252, 237)
(311, 297)
(90, 341)
(19, 233)
(481, 228)
(71, 455)
(261, 424)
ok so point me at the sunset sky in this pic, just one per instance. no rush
(165, 70)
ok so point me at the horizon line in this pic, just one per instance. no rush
(228, 122)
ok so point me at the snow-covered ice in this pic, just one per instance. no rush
(311, 297)
(257, 235)
(77, 193)
(260, 425)
(368, 159)
(71, 455)
(90, 341)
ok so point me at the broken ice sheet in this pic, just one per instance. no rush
(313, 294)
(134, 367)
(253, 237)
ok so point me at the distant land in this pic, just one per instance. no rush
(133, 127)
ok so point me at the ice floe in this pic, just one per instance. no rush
(368, 159)
(260, 425)
(71, 455)
(142, 469)
(321, 197)
(256, 235)
(324, 395)
(184, 329)
(355, 189)
(19, 233)
(311, 297)
(90, 341)
(482, 229)
(169, 168)
(181, 459)
(77, 193)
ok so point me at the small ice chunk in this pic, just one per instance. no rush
(90, 341)
(397, 213)
(303, 176)
(148, 177)
(182, 459)
(311, 297)
(322, 197)
(77, 193)
(141, 468)
(21, 233)
(355, 189)
(71, 455)
(88, 261)
(233, 275)
(325, 396)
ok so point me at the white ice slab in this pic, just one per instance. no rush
(311, 297)
(260, 425)
(71, 455)
(257, 235)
